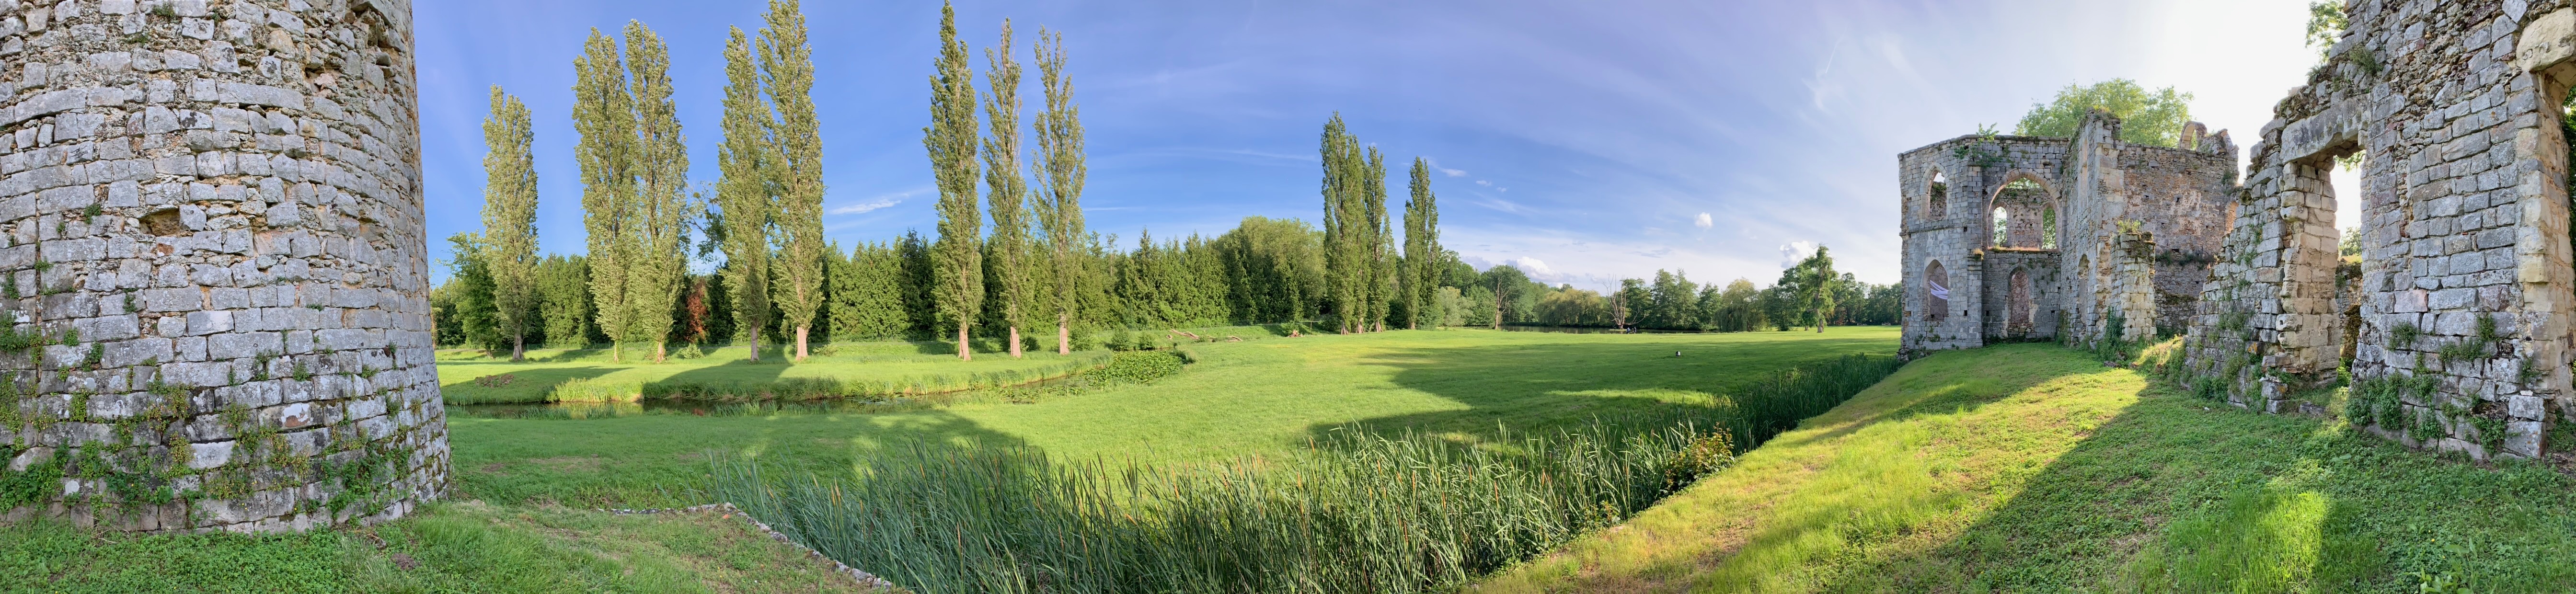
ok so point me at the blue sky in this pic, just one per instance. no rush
(1586, 141)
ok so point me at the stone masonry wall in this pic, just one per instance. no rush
(2100, 189)
(2465, 278)
(213, 265)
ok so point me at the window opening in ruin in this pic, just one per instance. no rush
(2003, 228)
(2339, 178)
(1940, 197)
(2048, 228)
(1936, 291)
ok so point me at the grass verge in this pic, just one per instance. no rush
(2036, 468)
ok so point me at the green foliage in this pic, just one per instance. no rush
(509, 217)
(2403, 335)
(795, 170)
(1422, 253)
(2151, 118)
(745, 199)
(957, 259)
(1061, 172)
(2326, 23)
(1009, 251)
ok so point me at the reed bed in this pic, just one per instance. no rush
(1356, 512)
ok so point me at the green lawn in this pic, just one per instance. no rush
(931, 366)
(1254, 398)
(513, 521)
(2034, 468)
(451, 547)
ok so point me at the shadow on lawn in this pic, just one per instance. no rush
(524, 386)
(1542, 387)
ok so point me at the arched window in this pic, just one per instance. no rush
(1936, 291)
(2003, 234)
(1939, 205)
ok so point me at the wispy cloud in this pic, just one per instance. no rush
(880, 201)
(1704, 221)
(1435, 165)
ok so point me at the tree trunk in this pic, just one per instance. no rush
(800, 343)
(755, 343)
(1015, 342)
(519, 348)
(614, 350)
(657, 351)
(1063, 336)
(962, 353)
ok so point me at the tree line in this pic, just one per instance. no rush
(774, 274)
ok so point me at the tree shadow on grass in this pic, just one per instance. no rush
(1542, 387)
(525, 385)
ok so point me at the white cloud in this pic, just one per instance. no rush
(1792, 252)
(861, 208)
(1435, 164)
(1704, 221)
(1484, 183)
(1531, 265)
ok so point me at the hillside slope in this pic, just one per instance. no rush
(2035, 468)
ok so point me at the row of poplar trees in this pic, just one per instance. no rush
(1039, 266)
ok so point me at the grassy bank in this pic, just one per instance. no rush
(2034, 468)
(466, 547)
(1268, 397)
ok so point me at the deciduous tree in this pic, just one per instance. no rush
(957, 258)
(604, 114)
(787, 66)
(1008, 190)
(1061, 173)
(744, 201)
(510, 217)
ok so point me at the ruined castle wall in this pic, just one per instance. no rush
(212, 253)
(2465, 280)
(1975, 169)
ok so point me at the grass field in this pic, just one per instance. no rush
(1254, 398)
(921, 367)
(453, 547)
(2034, 468)
(513, 521)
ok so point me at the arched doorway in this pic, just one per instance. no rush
(1936, 292)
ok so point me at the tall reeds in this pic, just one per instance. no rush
(1356, 512)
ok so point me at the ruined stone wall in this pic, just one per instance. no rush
(2465, 277)
(211, 235)
(2035, 317)
(2026, 209)
(1976, 168)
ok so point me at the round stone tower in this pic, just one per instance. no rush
(213, 265)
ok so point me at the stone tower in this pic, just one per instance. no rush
(211, 235)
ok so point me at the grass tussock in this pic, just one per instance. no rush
(1358, 511)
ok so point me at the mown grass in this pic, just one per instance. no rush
(1269, 397)
(860, 370)
(2036, 468)
(466, 547)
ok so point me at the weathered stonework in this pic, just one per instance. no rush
(211, 231)
(2464, 288)
(2082, 218)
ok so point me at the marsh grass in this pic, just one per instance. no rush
(1356, 511)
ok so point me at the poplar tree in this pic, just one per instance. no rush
(1378, 242)
(604, 114)
(663, 208)
(1421, 246)
(510, 217)
(957, 259)
(787, 65)
(743, 194)
(1008, 191)
(1343, 279)
(1059, 195)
